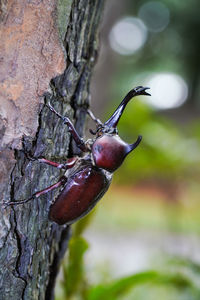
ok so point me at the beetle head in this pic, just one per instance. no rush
(109, 150)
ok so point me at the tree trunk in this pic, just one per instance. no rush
(47, 47)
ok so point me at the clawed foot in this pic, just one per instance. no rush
(6, 204)
(19, 202)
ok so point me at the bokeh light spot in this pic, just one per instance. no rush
(128, 35)
(155, 15)
(168, 90)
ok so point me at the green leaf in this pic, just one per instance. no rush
(120, 286)
(73, 270)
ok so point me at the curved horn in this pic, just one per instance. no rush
(134, 145)
(114, 119)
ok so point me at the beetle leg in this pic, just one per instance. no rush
(92, 116)
(39, 193)
(78, 140)
(66, 165)
(99, 124)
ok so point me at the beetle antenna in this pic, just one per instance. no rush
(114, 119)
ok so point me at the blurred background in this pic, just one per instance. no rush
(149, 219)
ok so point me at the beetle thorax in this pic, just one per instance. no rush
(109, 152)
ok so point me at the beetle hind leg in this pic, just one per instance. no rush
(38, 194)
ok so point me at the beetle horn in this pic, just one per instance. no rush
(134, 145)
(114, 119)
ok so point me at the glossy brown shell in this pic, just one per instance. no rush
(80, 194)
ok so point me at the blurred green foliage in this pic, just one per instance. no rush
(178, 278)
(170, 149)
(166, 152)
(143, 209)
(174, 49)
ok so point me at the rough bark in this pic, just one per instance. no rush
(47, 47)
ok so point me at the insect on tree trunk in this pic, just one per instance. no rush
(47, 47)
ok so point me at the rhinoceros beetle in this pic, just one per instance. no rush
(87, 178)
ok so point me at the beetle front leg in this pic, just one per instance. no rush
(78, 140)
(39, 193)
(99, 124)
(92, 116)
